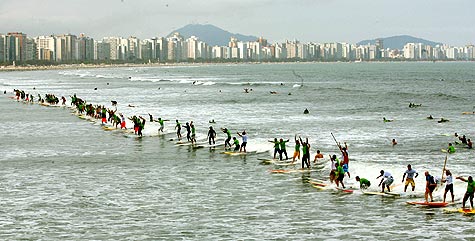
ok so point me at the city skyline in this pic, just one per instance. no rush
(305, 20)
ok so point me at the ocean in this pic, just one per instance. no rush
(66, 178)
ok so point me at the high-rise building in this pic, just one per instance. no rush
(46, 48)
(17, 46)
(31, 50)
(85, 48)
(66, 48)
(2, 48)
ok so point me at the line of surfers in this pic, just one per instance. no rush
(338, 168)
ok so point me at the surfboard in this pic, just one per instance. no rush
(375, 193)
(319, 187)
(284, 163)
(468, 113)
(290, 171)
(466, 211)
(450, 210)
(443, 150)
(318, 183)
(396, 194)
(344, 190)
(108, 128)
(429, 204)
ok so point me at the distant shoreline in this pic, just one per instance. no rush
(11, 68)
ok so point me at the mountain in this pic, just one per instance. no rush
(211, 34)
(398, 42)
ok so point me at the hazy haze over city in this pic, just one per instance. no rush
(444, 21)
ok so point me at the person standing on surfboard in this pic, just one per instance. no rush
(387, 180)
(276, 148)
(188, 131)
(334, 163)
(296, 150)
(449, 184)
(340, 175)
(178, 130)
(346, 159)
(211, 135)
(410, 177)
(193, 133)
(228, 137)
(305, 152)
(469, 192)
(282, 148)
(243, 135)
(430, 186)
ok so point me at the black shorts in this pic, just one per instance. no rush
(450, 188)
(244, 144)
(340, 177)
(468, 195)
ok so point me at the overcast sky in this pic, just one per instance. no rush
(446, 21)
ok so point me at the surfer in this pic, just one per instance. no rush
(211, 135)
(449, 184)
(463, 139)
(162, 124)
(318, 156)
(305, 153)
(410, 177)
(151, 117)
(394, 142)
(346, 159)
(122, 121)
(188, 131)
(469, 192)
(442, 120)
(228, 137)
(469, 144)
(334, 163)
(364, 183)
(236, 144)
(340, 175)
(305, 111)
(386, 120)
(243, 135)
(430, 117)
(430, 186)
(193, 133)
(276, 148)
(451, 148)
(178, 130)
(141, 125)
(296, 150)
(387, 179)
(282, 148)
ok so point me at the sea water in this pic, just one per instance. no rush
(65, 178)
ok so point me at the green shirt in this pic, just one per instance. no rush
(364, 181)
(282, 145)
(161, 122)
(451, 149)
(304, 149)
(297, 147)
(236, 142)
(340, 170)
(470, 186)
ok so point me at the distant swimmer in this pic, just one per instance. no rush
(469, 144)
(442, 120)
(364, 183)
(212, 121)
(394, 142)
(273, 92)
(410, 177)
(131, 105)
(305, 111)
(114, 103)
(386, 120)
(451, 148)
(430, 117)
(246, 90)
(386, 180)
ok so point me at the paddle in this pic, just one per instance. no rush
(338, 144)
(443, 170)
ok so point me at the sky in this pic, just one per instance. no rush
(447, 21)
